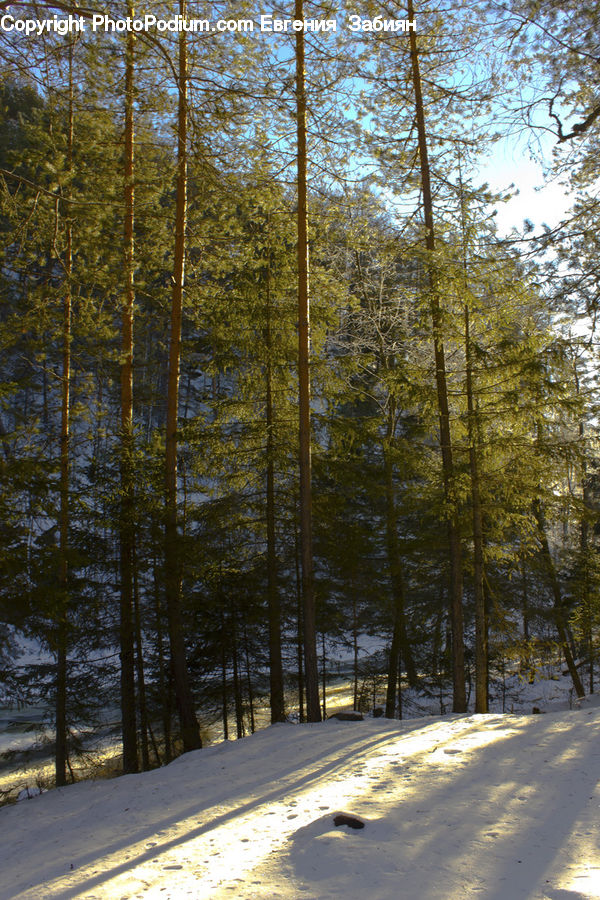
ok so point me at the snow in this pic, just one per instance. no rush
(500, 807)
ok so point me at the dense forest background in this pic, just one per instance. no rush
(170, 205)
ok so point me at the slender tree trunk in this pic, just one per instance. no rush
(354, 647)
(275, 663)
(311, 672)
(190, 731)
(237, 684)
(437, 646)
(526, 659)
(61, 750)
(392, 680)
(586, 593)
(584, 546)
(586, 598)
(400, 685)
(154, 745)
(400, 645)
(559, 619)
(163, 682)
(224, 692)
(300, 629)
(481, 627)
(139, 661)
(249, 677)
(456, 601)
(129, 732)
(324, 672)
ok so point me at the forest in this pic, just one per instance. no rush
(273, 380)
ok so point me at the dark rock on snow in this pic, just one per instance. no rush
(350, 821)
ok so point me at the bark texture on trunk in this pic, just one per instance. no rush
(481, 625)
(559, 616)
(190, 731)
(274, 606)
(454, 541)
(128, 722)
(311, 673)
(61, 747)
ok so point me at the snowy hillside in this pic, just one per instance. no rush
(495, 807)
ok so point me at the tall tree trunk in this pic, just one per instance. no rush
(559, 618)
(190, 731)
(129, 732)
(392, 680)
(526, 658)
(586, 593)
(354, 646)
(481, 625)
(224, 691)
(311, 672)
(584, 547)
(139, 666)
(400, 647)
(61, 749)
(249, 676)
(163, 679)
(300, 629)
(456, 601)
(275, 663)
(237, 682)
(324, 672)
(400, 685)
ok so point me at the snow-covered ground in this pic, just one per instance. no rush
(495, 807)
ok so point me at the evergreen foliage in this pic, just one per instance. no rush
(152, 511)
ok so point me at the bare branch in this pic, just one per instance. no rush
(578, 129)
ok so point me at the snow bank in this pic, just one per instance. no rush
(495, 807)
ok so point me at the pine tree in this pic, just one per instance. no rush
(308, 597)
(130, 757)
(448, 466)
(189, 725)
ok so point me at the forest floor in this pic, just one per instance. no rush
(498, 807)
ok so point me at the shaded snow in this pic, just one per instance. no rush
(495, 807)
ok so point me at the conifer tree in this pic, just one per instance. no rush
(187, 715)
(448, 466)
(308, 596)
(130, 757)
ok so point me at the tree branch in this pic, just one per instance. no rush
(577, 129)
